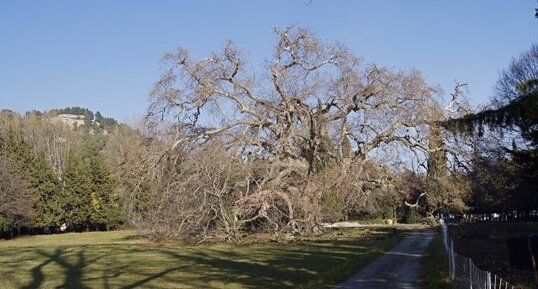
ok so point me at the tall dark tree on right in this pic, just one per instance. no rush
(513, 113)
(437, 164)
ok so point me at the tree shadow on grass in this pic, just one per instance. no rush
(205, 266)
(73, 272)
(305, 266)
(37, 275)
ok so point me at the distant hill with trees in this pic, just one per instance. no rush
(53, 173)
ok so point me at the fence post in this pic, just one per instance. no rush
(453, 258)
(449, 256)
(470, 274)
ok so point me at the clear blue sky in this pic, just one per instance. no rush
(104, 55)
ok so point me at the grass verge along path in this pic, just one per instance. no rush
(434, 267)
(121, 260)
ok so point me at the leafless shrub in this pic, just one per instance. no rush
(15, 193)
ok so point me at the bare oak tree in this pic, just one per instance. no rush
(312, 106)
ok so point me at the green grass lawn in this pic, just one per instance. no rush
(121, 260)
(434, 270)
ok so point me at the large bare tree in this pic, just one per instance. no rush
(312, 105)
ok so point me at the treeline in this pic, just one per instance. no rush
(51, 175)
(91, 120)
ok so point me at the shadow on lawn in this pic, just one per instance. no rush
(73, 272)
(131, 266)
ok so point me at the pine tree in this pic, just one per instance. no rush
(46, 193)
(13, 145)
(77, 193)
(105, 209)
(98, 117)
(437, 171)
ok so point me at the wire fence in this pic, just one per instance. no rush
(464, 274)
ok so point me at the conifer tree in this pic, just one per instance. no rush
(46, 194)
(13, 145)
(76, 193)
(105, 209)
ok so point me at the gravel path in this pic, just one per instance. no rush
(397, 269)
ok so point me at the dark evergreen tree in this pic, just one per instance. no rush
(437, 168)
(105, 209)
(98, 117)
(14, 145)
(513, 171)
(77, 193)
(47, 194)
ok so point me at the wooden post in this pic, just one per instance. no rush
(470, 274)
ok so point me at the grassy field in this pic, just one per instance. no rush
(121, 260)
(434, 271)
(485, 243)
